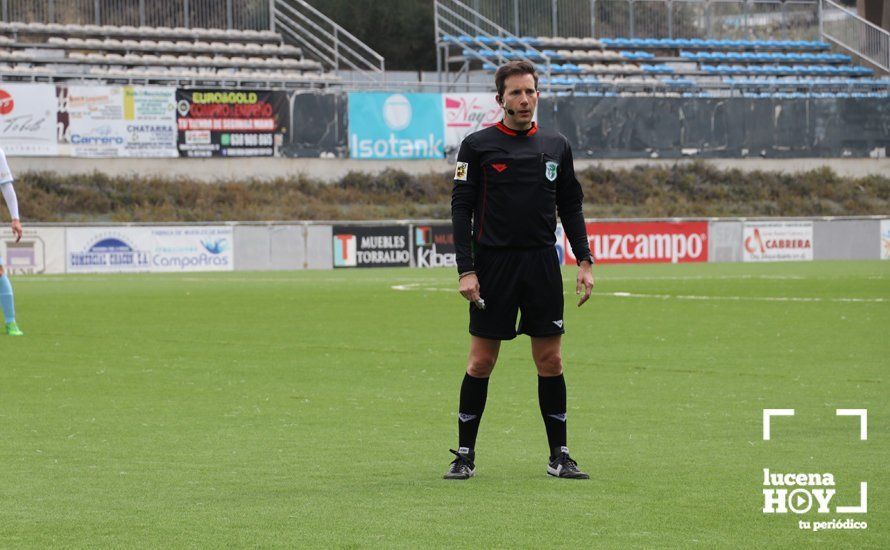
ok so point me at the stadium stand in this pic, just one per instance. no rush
(711, 48)
(628, 66)
(34, 51)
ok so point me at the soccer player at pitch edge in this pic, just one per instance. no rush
(6, 298)
(510, 181)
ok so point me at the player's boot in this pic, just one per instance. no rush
(13, 329)
(562, 465)
(464, 466)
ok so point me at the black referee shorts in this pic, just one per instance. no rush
(512, 281)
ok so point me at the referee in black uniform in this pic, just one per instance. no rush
(510, 181)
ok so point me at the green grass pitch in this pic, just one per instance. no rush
(317, 408)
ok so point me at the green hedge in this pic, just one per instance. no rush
(696, 189)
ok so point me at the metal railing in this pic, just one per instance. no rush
(324, 40)
(716, 19)
(219, 14)
(857, 35)
(489, 42)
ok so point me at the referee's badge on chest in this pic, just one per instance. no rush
(551, 170)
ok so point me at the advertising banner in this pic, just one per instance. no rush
(155, 249)
(885, 239)
(41, 250)
(777, 241)
(396, 126)
(434, 246)
(119, 121)
(231, 123)
(645, 242)
(468, 113)
(28, 119)
(376, 246)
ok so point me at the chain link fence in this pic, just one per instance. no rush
(218, 14)
(715, 19)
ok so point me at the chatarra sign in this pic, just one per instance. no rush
(434, 246)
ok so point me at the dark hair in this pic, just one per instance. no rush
(513, 68)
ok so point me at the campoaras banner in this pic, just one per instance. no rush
(645, 242)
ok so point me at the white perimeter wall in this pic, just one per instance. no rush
(48, 248)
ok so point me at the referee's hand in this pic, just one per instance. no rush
(469, 287)
(585, 282)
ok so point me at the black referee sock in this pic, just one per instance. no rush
(473, 392)
(552, 398)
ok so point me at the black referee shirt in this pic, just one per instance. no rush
(508, 187)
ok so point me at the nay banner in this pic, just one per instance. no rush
(396, 126)
(468, 113)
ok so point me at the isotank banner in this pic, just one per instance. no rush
(396, 126)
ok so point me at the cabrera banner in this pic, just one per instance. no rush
(231, 123)
(371, 246)
(155, 249)
(396, 126)
(28, 119)
(645, 242)
(777, 241)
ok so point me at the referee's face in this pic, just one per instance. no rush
(520, 97)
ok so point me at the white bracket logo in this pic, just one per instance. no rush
(801, 500)
(769, 413)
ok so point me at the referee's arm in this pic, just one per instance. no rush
(569, 205)
(463, 201)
